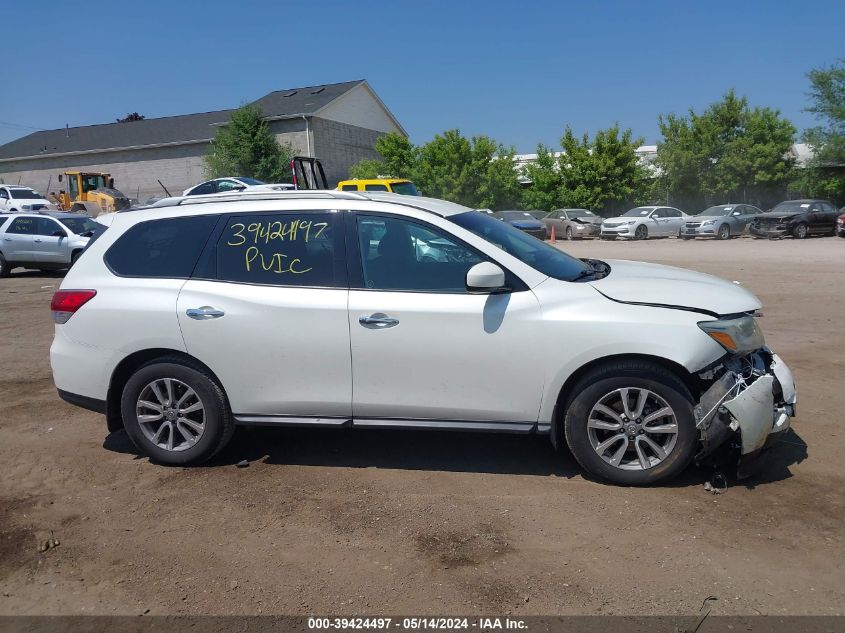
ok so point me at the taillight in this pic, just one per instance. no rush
(66, 302)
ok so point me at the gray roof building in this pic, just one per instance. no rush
(338, 123)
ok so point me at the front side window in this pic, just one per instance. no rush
(282, 249)
(23, 226)
(540, 256)
(160, 248)
(398, 254)
(405, 188)
(228, 185)
(48, 226)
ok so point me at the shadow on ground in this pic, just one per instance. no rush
(449, 451)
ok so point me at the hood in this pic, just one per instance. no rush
(587, 220)
(28, 203)
(526, 224)
(653, 284)
(778, 214)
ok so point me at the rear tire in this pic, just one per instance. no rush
(5, 269)
(596, 438)
(179, 429)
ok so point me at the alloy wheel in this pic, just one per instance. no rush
(632, 428)
(171, 414)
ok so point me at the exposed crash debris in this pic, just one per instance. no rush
(746, 407)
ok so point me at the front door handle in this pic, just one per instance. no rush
(378, 321)
(204, 313)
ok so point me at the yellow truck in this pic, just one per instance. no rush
(91, 193)
(391, 185)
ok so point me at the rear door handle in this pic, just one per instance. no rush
(378, 321)
(204, 313)
(37, 241)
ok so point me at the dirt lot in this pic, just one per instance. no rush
(356, 522)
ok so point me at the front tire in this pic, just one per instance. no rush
(176, 413)
(569, 235)
(631, 423)
(724, 232)
(800, 231)
(641, 232)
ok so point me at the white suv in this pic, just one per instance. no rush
(375, 310)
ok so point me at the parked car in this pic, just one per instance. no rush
(228, 185)
(524, 221)
(182, 321)
(722, 221)
(573, 224)
(840, 223)
(798, 218)
(644, 222)
(401, 186)
(44, 241)
(14, 198)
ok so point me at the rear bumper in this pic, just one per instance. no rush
(92, 404)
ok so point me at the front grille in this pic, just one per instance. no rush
(693, 225)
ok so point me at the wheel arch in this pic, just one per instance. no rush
(124, 370)
(565, 394)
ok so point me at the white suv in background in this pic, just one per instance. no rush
(43, 241)
(14, 198)
(181, 322)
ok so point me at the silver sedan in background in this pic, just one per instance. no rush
(573, 224)
(722, 221)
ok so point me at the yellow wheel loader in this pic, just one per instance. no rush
(91, 193)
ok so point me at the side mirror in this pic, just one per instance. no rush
(59, 233)
(485, 277)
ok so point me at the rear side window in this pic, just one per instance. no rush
(281, 249)
(22, 226)
(160, 248)
(375, 187)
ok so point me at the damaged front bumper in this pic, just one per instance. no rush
(749, 403)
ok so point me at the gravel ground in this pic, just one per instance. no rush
(366, 522)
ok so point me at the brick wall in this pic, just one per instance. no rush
(340, 145)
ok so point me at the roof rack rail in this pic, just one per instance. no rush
(272, 195)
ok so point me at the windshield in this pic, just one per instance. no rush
(82, 225)
(25, 194)
(251, 181)
(792, 206)
(717, 211)
(515, 215)
(538, 215)
(90, 182)
(405, 188)
(581, 213)
(539, 255)
(639, 211)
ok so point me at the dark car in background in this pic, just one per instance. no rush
(524, 221)
(722, 221)
(798, 218)
(573, 224)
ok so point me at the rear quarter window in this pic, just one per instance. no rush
(3, 221)
(160, 248)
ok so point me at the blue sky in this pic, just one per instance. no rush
(518, 71)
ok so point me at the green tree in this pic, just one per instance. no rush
(730, 152)
(824, 176)
(477, 172)
(603, 174)
(245, 147)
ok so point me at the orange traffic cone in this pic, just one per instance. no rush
(552, 237)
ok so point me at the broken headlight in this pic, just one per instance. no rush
(735, 335)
